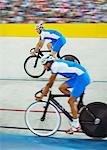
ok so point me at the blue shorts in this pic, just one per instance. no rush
(78, 84)
(57, 45)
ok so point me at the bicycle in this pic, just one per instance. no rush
(43, 118)
(33, 67)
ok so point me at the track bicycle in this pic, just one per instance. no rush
(43, 118)
(33, 67)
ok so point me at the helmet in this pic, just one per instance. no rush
(39, 25)
(47, 58)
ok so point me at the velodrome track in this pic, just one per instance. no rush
(17, 90)
(20, 142)
(16, 95)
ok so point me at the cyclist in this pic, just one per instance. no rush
(57, 40)
(78, 81)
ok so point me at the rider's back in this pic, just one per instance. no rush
(50, 34)
(67, 68)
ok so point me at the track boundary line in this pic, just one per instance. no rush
(24, 110)
(23, 128)
(43, 79)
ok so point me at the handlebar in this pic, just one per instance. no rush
(31, 49)
(40, 50)
(51, 95)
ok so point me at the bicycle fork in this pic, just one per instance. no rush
(45, 110)
(39, 55)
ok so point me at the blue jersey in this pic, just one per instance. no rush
(67, 68)
(50, 34)
(78, 75)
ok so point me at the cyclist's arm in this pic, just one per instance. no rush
(39, 45)
(48, 86)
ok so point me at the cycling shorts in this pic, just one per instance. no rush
(78, 84)
(57, 44)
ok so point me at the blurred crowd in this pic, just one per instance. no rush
(53, 11)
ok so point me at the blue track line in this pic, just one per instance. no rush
(27, 142)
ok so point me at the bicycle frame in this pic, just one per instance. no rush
(58, 105)
(92, 117)
(39, 55)
(31, 62)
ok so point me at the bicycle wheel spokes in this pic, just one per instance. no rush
(33, 67)
(39, 126)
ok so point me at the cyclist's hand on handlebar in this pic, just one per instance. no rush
(40, 94)
(32, 51)
(38, 98)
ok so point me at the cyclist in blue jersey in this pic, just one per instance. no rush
(57, 40)
(78, 81)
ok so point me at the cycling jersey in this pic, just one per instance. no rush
(78, 75)
(67, 68)
(56, 38)
(50, 34)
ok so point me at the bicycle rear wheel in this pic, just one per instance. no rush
(38, 126)
(93, 120)
(33, 69)
(71, 58)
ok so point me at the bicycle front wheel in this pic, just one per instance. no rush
(42, 127)
(33, 67)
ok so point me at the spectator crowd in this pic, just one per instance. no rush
(53, 11)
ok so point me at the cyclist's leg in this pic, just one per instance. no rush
(64, 88)
(50, 47)
(79, 85)
(73, 98)
(72, 102)
(58, 45)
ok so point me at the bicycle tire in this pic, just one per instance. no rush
(93, 120)
(71, 58)
(44, 128)
(34, 72)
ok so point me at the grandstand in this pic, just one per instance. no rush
(53, 11)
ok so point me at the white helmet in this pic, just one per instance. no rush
(47, 58)
(39, 25)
